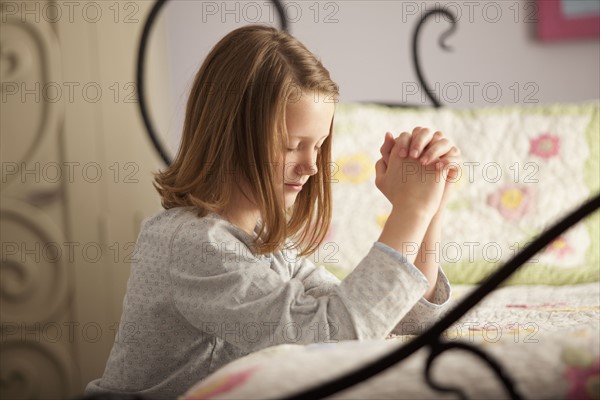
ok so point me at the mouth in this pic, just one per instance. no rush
(294, 186)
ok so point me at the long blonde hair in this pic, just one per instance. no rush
(235, 124)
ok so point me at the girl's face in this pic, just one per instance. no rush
(307, 120)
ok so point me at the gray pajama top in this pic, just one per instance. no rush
(197, 298)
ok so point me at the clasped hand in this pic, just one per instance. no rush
(417, 170)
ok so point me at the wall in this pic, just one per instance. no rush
(366, 45)
(76, 184)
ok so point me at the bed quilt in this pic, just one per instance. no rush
(546, 337)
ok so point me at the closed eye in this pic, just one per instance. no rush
(317, 148)
(296, 149)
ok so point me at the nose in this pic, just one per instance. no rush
(311, 169)
(308, 165)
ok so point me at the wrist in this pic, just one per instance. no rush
(404, 231)
(438, 216)
(413, 213)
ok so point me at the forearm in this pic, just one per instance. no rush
(428, 256)
(404, 231)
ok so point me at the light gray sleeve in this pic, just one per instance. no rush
(320, 282)
(424, 313)
(224, 291)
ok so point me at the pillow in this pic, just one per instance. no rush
(523, 168)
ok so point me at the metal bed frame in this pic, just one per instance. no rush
(432, 337)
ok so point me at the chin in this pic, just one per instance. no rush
(290, 200)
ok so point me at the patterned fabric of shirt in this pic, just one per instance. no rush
(197, 298)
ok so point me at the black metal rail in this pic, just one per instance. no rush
(431, 338)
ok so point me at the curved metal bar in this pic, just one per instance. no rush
(163, 153)
(282, 15)
(440, 347)
(431, 335)
(442, 42)
(140, 82)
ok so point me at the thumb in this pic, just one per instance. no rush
(388, 145)
(380, 167)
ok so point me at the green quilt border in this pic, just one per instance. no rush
(530, 273)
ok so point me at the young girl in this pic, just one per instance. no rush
(222, 271)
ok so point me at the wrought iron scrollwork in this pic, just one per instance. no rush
(442, 42)
(439, 347)
(416, 59)
(431, 337)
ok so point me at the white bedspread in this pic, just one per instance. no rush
(546, 338)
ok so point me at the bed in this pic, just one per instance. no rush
(546, 337)
(525, 318)
(542, 324)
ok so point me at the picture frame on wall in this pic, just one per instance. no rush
(568, 19)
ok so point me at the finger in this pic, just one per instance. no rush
(388, 144)
(435, 150)
(453, 156)
(402, 143)
(437, 135)
(451, 166)
(451, 161)
(419, 141)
